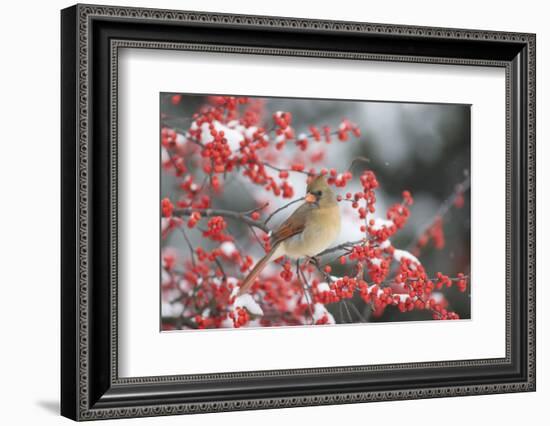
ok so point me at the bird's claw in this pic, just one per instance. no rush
(313, 260)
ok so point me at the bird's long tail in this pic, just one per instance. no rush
(262, 263)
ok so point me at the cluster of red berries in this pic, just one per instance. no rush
(325, 297)
(374, 294)
(434, 233)
(168, 261)
(218, 152)
(439, 312)
(323, 320)
(168, 224)
(362, 252)
(189, 186)
(380, 233)
(407, 198)
(252, 115)
(283, 129)
(284, 188)
(204, 322)
(169, 140)
(445, 281)
(369, 183)
(302, 142)
(230, 103)
(168, 137)
(378, 268)
(344, 129)
(240, 317)
(344, 287)
(297, 167)
(442, 280)
(207, 115)
(167, 207)
(195, 202)
(398, 214)
(216, 227)
(267, 243)
(286, 274)
(413, 277)
(315, 133)
(339, 180)
(282, 119)
(203, 255)
(246, 263)
(347, 127)
(194, 218)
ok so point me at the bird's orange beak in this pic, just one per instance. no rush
(310, 198)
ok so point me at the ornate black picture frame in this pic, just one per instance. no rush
(91, 36)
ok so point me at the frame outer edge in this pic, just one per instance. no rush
(80, 164)
(69, 189)
(531, 213)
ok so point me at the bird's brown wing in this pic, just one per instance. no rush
(294, 224)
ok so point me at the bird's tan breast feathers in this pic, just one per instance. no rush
(321, 229)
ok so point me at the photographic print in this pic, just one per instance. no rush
(312, 212)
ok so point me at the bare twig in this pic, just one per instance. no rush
(256, 209)
(341, 312)
(256, 236)
(191, 248)
(345, 303)
(281, 209)
(359, 315)
(221, 268)
(358, 160)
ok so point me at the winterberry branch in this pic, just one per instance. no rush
(279, 169)
(225, 213)
(344, 246)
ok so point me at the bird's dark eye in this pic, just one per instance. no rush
(319, 193)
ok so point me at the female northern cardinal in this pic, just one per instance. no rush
(308, 231)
